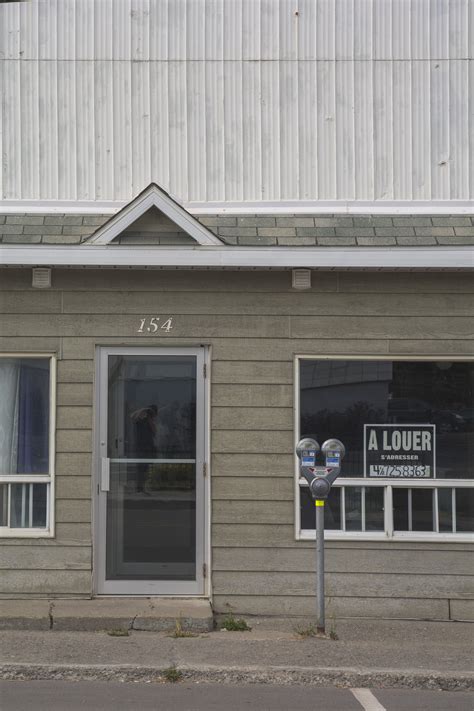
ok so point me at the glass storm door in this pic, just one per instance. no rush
(150, 522)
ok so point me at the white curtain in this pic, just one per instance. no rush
(9, 411)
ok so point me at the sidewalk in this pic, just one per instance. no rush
(380, 653)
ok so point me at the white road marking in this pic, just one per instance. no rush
(367, 700)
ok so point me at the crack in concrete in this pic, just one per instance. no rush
(50, 615)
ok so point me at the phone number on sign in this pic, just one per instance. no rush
(403, 470)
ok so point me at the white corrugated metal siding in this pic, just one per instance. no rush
(237, 100)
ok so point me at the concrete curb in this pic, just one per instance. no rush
(101, 624)
(322, 676)
(96, 615)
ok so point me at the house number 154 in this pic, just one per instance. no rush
(152, 325)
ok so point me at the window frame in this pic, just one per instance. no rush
(388, 534)
(49, 479)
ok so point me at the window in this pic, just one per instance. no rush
(408, 429)
(26, 445)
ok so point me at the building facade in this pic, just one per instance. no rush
(312, 275)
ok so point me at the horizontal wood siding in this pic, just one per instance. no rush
(255, 325)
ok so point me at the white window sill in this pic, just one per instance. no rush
(406, 537)
(25, 533)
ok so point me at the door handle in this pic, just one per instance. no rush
(105, 474)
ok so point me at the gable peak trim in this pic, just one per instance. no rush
(153, 196)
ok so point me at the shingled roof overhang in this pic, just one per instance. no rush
(228, 257)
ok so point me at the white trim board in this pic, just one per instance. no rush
(227, 257)
(153, 196)
(289, 207)
(336, 207)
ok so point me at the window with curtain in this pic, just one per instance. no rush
(25, 456)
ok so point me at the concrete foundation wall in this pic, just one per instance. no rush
(255, 324)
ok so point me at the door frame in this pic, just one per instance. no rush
(166, 588)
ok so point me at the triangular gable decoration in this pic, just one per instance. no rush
(153, 196)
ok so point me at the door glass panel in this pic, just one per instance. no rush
(152, 407)
(151, 505)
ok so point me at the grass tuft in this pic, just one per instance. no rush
(234, 624)
(312, 631)
(172, 674)
(118, 633)
(179, 632)
(305, 632)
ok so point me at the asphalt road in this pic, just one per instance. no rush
(115, 696)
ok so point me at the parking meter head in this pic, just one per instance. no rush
(333, 445)
(333, 451)
(307, 450)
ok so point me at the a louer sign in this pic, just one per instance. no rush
(400, 450)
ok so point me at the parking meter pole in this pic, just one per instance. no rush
(320, 480)
(319, 505)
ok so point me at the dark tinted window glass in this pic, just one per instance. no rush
(332, 510)
(3, 504)
(422, 509)
(464, 510)
(27, 513)
(353, 506)
(339, 396)
(40, 493)
(151, 521)
(445, 510)
(374, 513)
(400, 509)
(152, 407)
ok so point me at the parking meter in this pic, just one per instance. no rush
(320, 479)
(307, 450)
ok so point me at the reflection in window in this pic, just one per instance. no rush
(339, 396)
(413, 509)
(151, 521)
(362, 506)
(422, 417)
(353, 508)
(332, 510)
(152, 407)
(28, 505)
